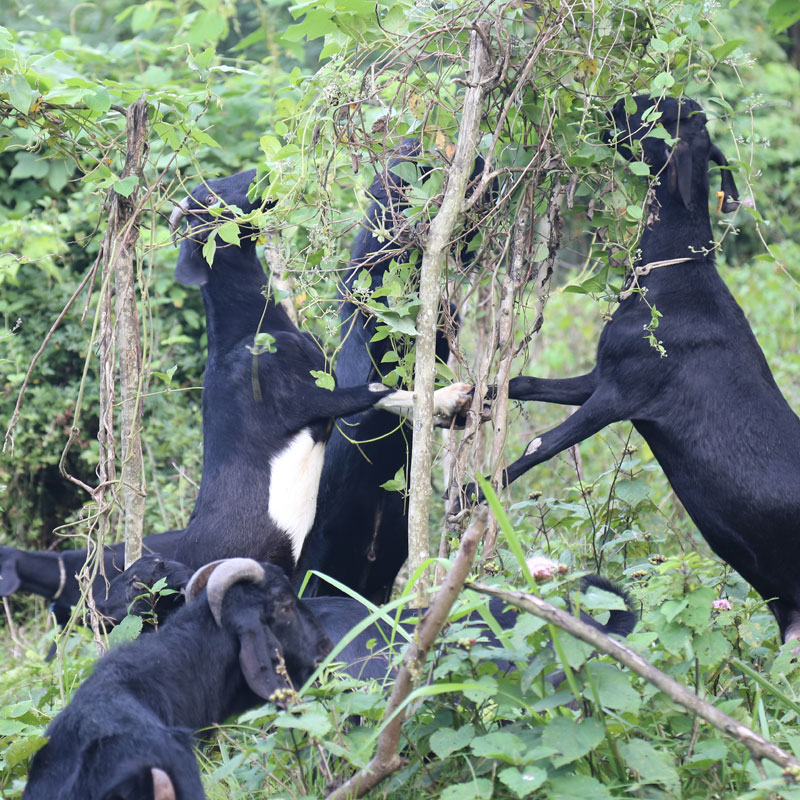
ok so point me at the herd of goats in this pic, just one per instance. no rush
(276, 469)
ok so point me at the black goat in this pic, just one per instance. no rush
(710, 410)
(372, 652)
(360, 531)
(52, 575)
(127, 734)
(128, 592)
(364, 655)
(265, 420)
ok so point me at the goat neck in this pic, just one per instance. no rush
(675, 231)
(233, 298)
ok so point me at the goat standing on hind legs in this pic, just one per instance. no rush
(710, 410)
(363, 541)
(266, 422)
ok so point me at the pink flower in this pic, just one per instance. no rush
(723, 604)
(543, 568)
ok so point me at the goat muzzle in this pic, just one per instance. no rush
(178, 213)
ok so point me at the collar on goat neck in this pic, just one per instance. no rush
(62, 578)
(639, 272)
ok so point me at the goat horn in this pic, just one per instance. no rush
(225, 575)
(162, 785)
(178, 213)
(199, 580)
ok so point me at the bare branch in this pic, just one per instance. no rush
(433, 259)
(387, 759)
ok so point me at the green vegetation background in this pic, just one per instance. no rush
(253, 73)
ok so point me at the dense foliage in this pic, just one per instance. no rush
(314, 94)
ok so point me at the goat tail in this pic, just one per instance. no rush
(621, 622)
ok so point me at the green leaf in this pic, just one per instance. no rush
(126, 631)
(10, 727)
(597, 599)
(207, 26)
(634, 212)
(210, 248)
(476, 789)
(707, 753)
(502, 745)
(661, 81)
(125, 186)
(652, 766)
(724, 50)
(229, 232)
(631, 492)
(614, 687)
(783, 13)
(19, 93)
(315, 723)
(571, 739)
(99, 100)
(397, 483)
(659, 45)
(445, 741)
(523, 781)
(315, 24)
(711, 647)
(639, 168)
(323, 379)
(23, 749)
(577, 787)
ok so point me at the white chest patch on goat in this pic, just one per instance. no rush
(293, 487)
(533, 446)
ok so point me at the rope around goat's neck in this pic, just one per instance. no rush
(646, 269)
(62, 578)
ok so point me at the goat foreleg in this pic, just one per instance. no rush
(597, 412)
(566, 391)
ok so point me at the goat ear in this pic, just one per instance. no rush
(679, 172)
(730, 200)
(258, 650)
(191, 269)
(9, 577)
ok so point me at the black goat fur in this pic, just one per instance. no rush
(710, 411)
(38, 572)
(369, 654)
(265, 420)
(139, 708)
(363, 542)
(339, 615)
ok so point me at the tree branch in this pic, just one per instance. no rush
(433, 259)
(119, 250)
(387, 759)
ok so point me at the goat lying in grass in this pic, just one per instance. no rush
(52, 575)
(710, 410)
(363, 655)
(127, 733)
(266, 421)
